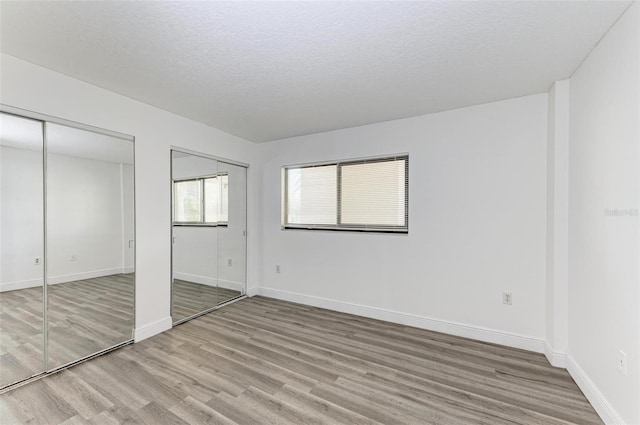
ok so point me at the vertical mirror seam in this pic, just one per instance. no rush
(45, 292)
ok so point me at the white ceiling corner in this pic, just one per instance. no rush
(270, 70)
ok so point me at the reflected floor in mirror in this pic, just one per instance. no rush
(21, 335)
(191, 298)
(90, 315)
(84, 317)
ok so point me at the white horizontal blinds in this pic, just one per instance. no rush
(373, 194)
(187, 202)
(223, 212)
(311, 195)
(211, 204)
(368, 195)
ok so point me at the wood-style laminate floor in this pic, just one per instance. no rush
(190, 298)
(263, 361)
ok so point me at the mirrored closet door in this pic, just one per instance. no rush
(21, 249)
(208, 233)
(66, 245)
(89, 209)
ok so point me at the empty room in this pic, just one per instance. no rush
(320, 212)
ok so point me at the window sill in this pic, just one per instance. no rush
(348, 229)
(199, 225)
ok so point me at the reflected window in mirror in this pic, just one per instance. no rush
(202, 201)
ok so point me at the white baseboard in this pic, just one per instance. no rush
(452, 328)
(254, 290)
(54, 280)
(154, 328)
(596, 398)
(209, 281)
(556, 358)
(126, 270)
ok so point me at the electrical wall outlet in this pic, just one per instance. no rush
(74, 257)
(131, 244)
(230, 262)
(36, 261)
(622, 362)
(277, 268)
(507, 298)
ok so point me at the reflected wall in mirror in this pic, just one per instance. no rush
(232, 248)
(195, 234)
(90, 242)
(208, 232)
(21, 249)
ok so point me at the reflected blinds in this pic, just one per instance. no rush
(201, 201)
(187, 204)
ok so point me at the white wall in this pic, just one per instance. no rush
(30, 87)
(85, 205)
(476, 225)
(604, 285)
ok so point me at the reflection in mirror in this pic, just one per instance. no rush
(21, 249)
(90, 243)
(232, 237)
(195, 232)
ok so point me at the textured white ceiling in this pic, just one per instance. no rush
(269, 70)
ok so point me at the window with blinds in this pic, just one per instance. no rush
(201, 201)
(365, 195)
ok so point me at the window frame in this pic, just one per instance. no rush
(201, 222)
(403, 229)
